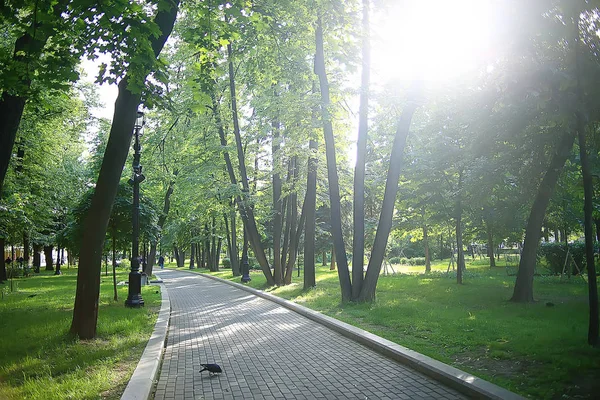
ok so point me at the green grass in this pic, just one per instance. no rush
(536, 350)
(40, 360)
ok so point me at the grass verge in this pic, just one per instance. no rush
(39, 360)
(538, 350)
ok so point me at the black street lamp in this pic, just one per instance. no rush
(134, 298)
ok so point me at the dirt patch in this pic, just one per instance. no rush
(484, 362)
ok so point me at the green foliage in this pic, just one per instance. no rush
(555, 254)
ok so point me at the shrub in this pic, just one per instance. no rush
(555, 254)
(416, 261)
(226, 263)
(395, 260)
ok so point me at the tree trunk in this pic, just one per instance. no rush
(277, 207)
(387, 209)
(26, 247)
(310, 202)
(588, 226)
(460, 256)
(3, 276)
(85, 313)
(332, 265)
(523, 291)
(114, 268)
(324, 259)
(232, 246)
(218, 254)
(332, 175)
(48, 255)
(37, 258)
(358, 245)
(248, 213)
(426, 245)
(57, 270)
(294, 242)
(490, 243)
(192, 254)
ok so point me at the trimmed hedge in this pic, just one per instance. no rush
(555, 254)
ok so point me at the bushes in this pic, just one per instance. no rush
(226, 263)
(555, 254)
(407, 261)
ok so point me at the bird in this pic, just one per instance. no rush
(211, 368)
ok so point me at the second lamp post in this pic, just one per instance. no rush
(134, 298)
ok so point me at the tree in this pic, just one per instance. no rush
(85, 313)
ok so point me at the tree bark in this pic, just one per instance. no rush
(3, 276)
(37, 258)
(294, 242)
(384, 225)
(332, 175)
(277, 207)
(85, 313)
(309, 205)
(490, 243)
(333, 264)
(192, 254)
(358, 245)
(114, 267)
(48, 256)
(426, 245)
(523, 291)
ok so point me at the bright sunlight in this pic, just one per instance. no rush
(435, 41)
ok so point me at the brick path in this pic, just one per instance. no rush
(270, 352)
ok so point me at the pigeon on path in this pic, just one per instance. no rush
(211, 368)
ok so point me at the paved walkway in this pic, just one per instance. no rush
(270, 352)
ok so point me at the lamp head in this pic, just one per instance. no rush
(139, 120)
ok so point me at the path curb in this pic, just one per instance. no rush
(451, 376)
(142, 381)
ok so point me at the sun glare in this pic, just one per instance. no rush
(435, 41)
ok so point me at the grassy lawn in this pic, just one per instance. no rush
(537, 350)
(39, 360)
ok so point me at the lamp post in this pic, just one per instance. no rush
(134, 298)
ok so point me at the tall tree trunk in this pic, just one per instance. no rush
(85, 313)
(162, 219)
(309, 205)
(460, 256)
(3, 276)
(523, 291)
(294, 242)
(588, 191)
(176, 254)
(426, 245)
(26, 247)
(114, 267)
(332, 175)
(332, 264)
(57, 269)
(37, 258)
(218, 253)
(48, 255)
(277, 207)
(231, 249)
(358, 245)
(384, 226)
(192, 254)
(248, 215)
(490, 242)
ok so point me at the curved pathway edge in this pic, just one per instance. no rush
(451, 376)
(143, 379)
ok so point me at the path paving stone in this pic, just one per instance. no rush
(268, 352)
